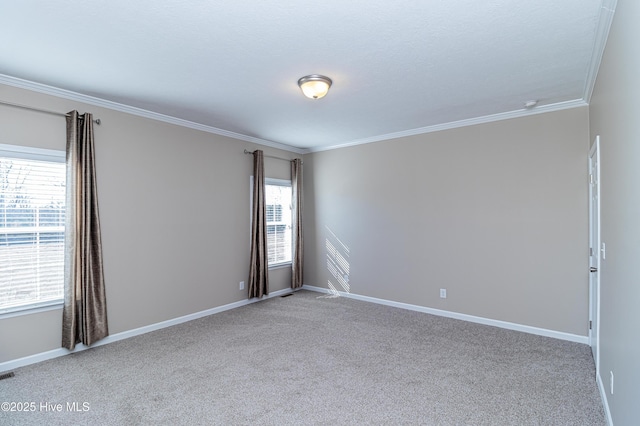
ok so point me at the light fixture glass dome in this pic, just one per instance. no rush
(314, 86)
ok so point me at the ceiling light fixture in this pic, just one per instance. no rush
(314, 86)
(530, 104)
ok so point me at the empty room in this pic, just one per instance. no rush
(330, 213)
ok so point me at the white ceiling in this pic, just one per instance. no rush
(398, 67)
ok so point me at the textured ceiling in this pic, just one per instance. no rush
(398, 67)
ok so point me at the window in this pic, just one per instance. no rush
(278, 210)
(278, 214)
(32, 217)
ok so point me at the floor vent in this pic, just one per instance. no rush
(287, 295)
(6, 375)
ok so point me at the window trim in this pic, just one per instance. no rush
(287, 183)
(34, 154)
(268, 181)
(31, 153)
(34, 308)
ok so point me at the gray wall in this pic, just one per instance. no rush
(174, 206)
(495, 213)
(615, 116)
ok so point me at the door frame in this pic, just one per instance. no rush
(594, 252)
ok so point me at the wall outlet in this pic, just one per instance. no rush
(241, 285)
(443, 293)
(611, 382)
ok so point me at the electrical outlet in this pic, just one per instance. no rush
(241, 285)
(443, 293)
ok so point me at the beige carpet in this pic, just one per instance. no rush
(311, 359)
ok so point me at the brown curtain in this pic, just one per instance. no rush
(296, 188)
(84, 317)
(259, 267)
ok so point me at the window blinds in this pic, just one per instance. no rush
(32, 218)
(278, 218)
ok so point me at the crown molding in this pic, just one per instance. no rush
(602, 33)
(103, 103)
(90, 100)
(457, 124)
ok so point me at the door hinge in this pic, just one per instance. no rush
(591, 179)
(590, 325)
(590, 251)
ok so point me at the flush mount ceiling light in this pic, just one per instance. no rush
(314, 86)
(530, 104)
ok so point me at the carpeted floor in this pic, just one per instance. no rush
(313, 359)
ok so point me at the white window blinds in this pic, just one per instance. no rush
(278, 215)
(32, 218)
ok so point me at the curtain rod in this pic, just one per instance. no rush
(97, 121)
(268, 156)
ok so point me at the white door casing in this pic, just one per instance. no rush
(594, 250)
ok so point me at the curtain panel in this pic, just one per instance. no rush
(259, 263)
(298, 242)
(84, 317)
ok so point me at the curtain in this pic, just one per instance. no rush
(296, 188)
(84, 317)
(259, 267)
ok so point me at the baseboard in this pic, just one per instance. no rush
(605, 401)
(479, 320)
(43, 356)
(55, 353)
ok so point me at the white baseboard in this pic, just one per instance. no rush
(605, 401)
(479, 320)
(55, 353)
(43, 356)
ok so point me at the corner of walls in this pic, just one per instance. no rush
(174, 211)
(495, 213)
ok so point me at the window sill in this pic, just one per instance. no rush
(280, 266)
(31, 309)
